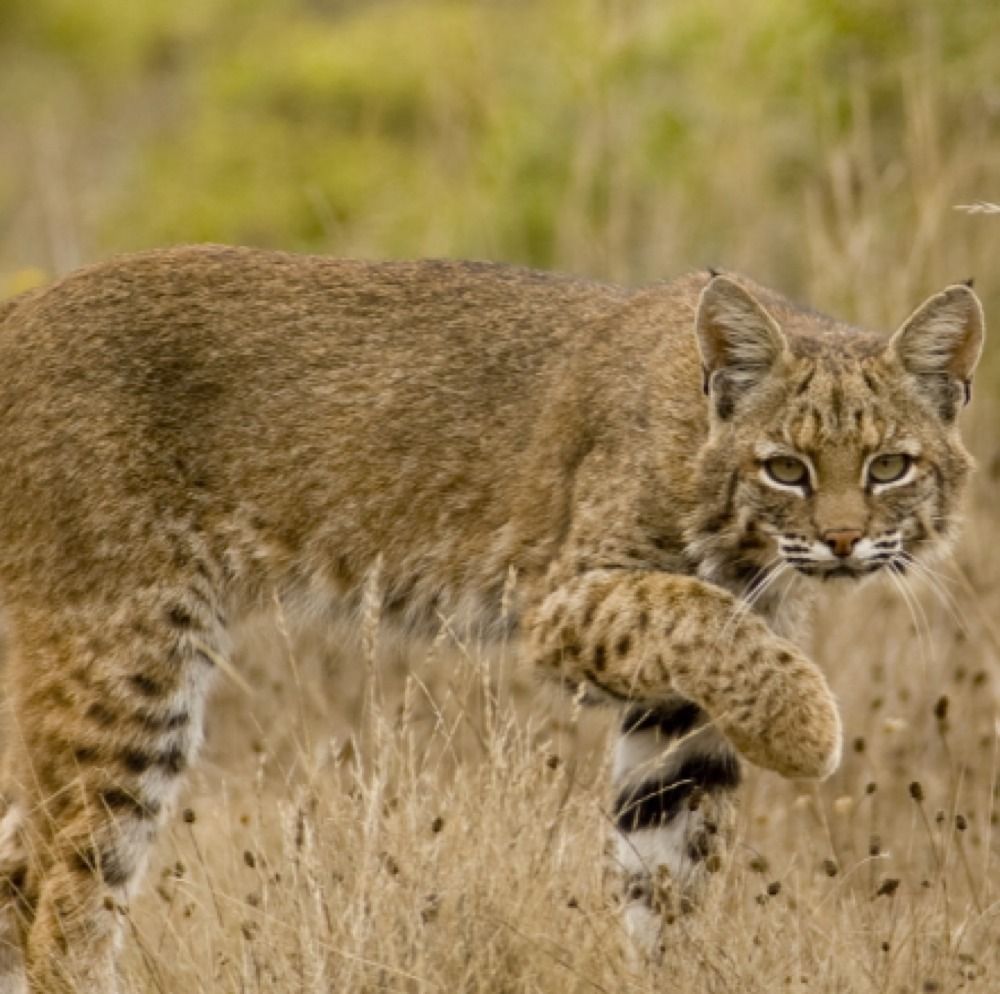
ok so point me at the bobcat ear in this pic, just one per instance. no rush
(940, 344)
(738, 340)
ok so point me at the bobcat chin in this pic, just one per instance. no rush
(670, 471)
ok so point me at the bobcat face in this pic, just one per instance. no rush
(849, 475)
(840, 454)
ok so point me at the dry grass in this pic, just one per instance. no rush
(419, 818)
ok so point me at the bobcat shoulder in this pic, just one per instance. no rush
(186, 431)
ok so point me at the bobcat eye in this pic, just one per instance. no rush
(888, 468)
(787, 470)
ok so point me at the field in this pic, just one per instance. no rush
(375, 815)
(398, 818)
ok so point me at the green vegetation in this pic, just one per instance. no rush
(622, 138)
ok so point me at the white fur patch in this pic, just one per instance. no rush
(12, 976)
(645, 851)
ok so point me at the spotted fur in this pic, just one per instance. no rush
(187, 433)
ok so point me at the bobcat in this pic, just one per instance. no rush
(185, 432)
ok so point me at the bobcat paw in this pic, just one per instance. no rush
(785, 718)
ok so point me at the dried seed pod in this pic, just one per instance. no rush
(887, 887)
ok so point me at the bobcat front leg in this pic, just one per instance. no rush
(704, 681)
(675, 783)
(649, 636)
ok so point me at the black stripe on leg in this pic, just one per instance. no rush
(107, 865)
(671, 720)
(172, 760)
(155, 722)
(116, 799)
(656, 801)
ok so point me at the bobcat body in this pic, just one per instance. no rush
(187, 432)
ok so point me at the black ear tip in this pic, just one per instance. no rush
(713, 272)
(970, 282)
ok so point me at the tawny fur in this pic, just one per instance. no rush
(187, 432)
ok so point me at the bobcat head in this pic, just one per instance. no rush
(830, 451)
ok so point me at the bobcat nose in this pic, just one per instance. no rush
(842, 540)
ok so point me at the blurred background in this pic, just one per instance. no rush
(821, 146)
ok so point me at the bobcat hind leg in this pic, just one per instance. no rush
(107, 716)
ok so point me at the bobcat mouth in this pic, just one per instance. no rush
(851, 571)
(870, 555)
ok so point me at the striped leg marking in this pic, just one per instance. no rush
(675, 780)
(107, 711)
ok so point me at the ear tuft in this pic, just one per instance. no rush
(738, 340)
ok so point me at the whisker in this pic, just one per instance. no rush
(913, 606)
(943, 577)
(749, 590)
(744, 607)
(935, 582)
(792, 580)
(766, 585)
